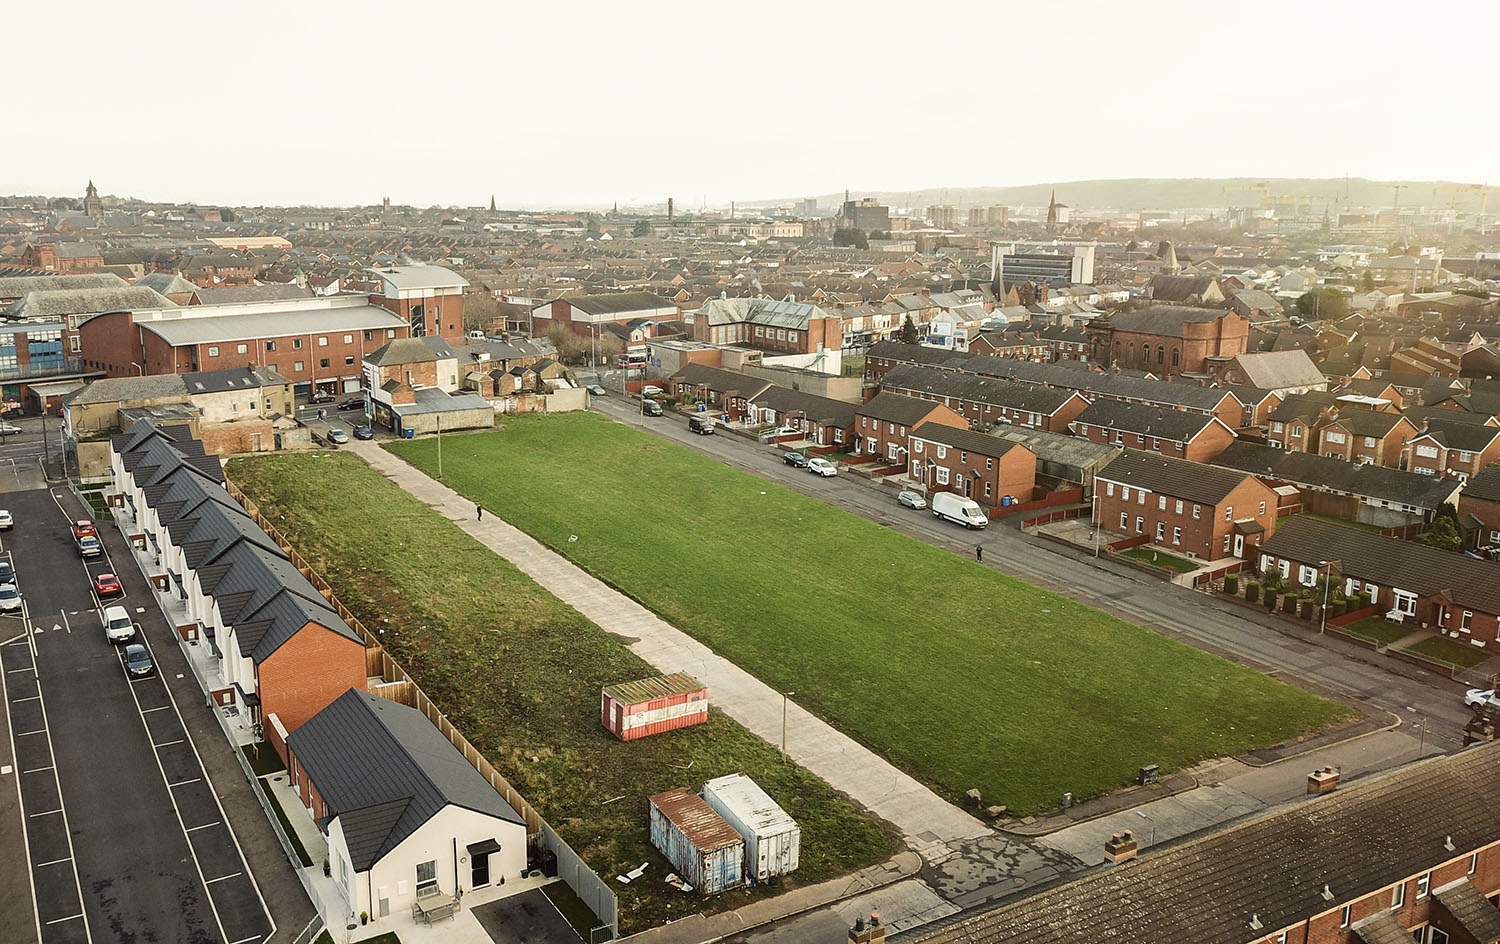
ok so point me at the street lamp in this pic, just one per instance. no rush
(1327, 585)
(1097, 523)
(784, 697)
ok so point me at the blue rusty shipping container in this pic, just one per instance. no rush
(705, 850)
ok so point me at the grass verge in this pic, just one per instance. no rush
(519, 673)
(1161, 560)
(286, 824)
(572, 908)
(1373, 629)
(1445, 650)
(960, 675)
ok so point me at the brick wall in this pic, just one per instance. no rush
(1202, 532)
(241, 436)
(309, 670)
(110, 343)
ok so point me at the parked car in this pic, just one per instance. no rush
(107, 585)
(6, 521)
(796, 460)
(83, 528)
(822, 467)
(117, 624)
(363, 432)
(701, 423)
(650, 390)
(6, 429)
(650, 407)
(7, 572)
(911, 499)
(785, 431)
(596, 390)
(958, 509)
(353, 403)
(337, 435)
(138, 660)
(89, 546)
(322, 396)
(1481, 696)
(10, 597)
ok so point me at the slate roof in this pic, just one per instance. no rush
(1166, 320)
(167, 283)
(895, 408)
(402, 351)
(383, 770)
(210, 329)
(1486, 485)
(1327, 474)
(724, 381)
(620, 303)
(1273, 866)
(814, 409)
(969, 441)
(1360, 422)
(1136, 418)
(18, 285)
(761, 311)
(84, 301)
(975, 389)
(1278, 370)
(281, 616)
(1060, 449)
(1472, 584)
(1179, 478)
(1458, 431)
(1469, 906)
(240, 294)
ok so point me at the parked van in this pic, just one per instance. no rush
(650, 407)
(960, 510)
(117, 624)
(701, 424)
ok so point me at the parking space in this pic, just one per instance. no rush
(125, 837)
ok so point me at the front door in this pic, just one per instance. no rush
(481, 866)
(1239, 545)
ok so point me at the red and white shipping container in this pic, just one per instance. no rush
(633, 710)
(706, 851)
(773, 840)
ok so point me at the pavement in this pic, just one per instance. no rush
(923, 818)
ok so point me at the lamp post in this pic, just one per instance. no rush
(784, 697)
(1097, 523)
(1327, 585)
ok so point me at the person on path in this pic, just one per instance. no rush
(478, 512)
(979, 553)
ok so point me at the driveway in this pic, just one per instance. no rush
(529, 918)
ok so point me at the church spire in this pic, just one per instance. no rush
(492, 203)
(1052, 211)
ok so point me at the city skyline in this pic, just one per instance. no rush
(446, 109)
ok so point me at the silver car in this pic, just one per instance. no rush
(911, 499)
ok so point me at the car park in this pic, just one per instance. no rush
(353, 403)
(651, 408)
(321, 396)
(1481, 696)
(138, 660)
(822, 467)
(107, 585)
(911, 499)
(596, 390)
(337, 435)
(118, 626)
(10, 597)
(796, 460)
(363, 432)
(6, 521)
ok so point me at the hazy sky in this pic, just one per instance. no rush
(568, 103)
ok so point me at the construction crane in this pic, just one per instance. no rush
(1482, 189)
(1263, 189)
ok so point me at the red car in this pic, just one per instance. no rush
(108, 585)
(83, 528)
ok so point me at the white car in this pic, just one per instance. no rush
(1481, 696)
(118, 626)
(10, 597)
(911, 499)
(6, 521)
(7, 429)
(822, 467)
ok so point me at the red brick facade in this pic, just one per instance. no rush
(1206, 531)
(1167, 354)
(891, 440)
(307, 672)
(982, 476)
(1337, 440)
(441, 315)
(1205, 446)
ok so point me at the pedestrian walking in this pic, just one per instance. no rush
(478, 512)
(979, 553)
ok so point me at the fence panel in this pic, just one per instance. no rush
(579, 877)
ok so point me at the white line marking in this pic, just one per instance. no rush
(147, 711)
(69, 918)
(222, 878)
(17, 701)
(43, 865)
(37, 770)
(168, 743)
(66, 625)
(37, 731)
(183, 783)
(193, 829)
(247, 940)
(46, 813)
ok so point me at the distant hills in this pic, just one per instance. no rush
(1144, 193)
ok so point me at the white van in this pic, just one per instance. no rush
(117, 624)
(960, 510)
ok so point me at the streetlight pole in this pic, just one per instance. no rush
(784, 697)
(1327, 585)
(1097, 523)
(439, 418)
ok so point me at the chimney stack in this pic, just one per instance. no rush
(1322, 781)
(1120, 847)
(669, 208)
(873, 933)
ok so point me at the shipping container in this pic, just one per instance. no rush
(773, 840)
(706, 851)
(633, 710)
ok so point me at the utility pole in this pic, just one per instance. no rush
(439, 418)
(46, 452)
(784, 697)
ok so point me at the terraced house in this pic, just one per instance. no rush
(988, 469)
(1193, 436)
(1199, 510)
(986, 400)
(883, 426)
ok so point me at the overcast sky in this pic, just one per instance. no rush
(583, 102)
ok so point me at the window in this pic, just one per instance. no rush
(1344, 916)
(1161, 503)
(1424, 882)
(989, 464)
(1124, 493)
(1277, 427)
(296, 344)
(942, 452)
(1161, 354)
(1119, 438)
(1473, 862)
(1427, 452)
(349, 360)
(1226, 543)
(1228, 512)
(1124, 521)
(390, 334)
(242, 349)
(1161, 528)
(298, 366)
(1109, 489)
(323, 363)
(323, 340)
(369, 335)
(1285, 567)
(213, 350)
(1176, 535)
(270, 345)
(963, 457)
(1307, 576)
(1464, 624)
(1176, 357)
(986, 489)
(1369, 442)
(1280, 938)
(916, 445)
(1336, 438)
(348, 339)
(1140, 524)
(1178, 506)
(427, 878)
(1197, 509)
(942, 475)
(1140, 496)
(1398, 895)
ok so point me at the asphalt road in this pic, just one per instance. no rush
(1327, 666)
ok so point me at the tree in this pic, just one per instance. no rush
(879, 234)
(909, 331)
(1443, 535)
(851, 237)
(1367, 281)
(481, 311)
(641, 228)
(571, 346)
(1323, 304)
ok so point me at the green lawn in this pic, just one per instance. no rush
(1445, 650)
(519, 673)
(1374, 629)
(960, 675)
(1156, 557)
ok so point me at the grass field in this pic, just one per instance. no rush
(520, 674)
(962, 676)
(1374, 629)
(1155, 557)
(1443, 649)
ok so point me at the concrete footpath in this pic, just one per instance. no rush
(927, 822)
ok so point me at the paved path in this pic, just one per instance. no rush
(924, 819)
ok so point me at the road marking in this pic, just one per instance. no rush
(69, 918)
(183, 783)
(37, 731)
(146, 711)
(66, 625)
(253, 937)
(46, 813)
(37, 770)
(193, 829)
(17, 701)
(222, 878)
(43, 865)
(168, 743)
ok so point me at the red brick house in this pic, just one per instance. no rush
(985, 468)
(724, 391)
(1479, 509)
(1366, 436)
(989, 400)
(1193, 436)
(882, 427)
(1198, 510)
(66, 257)
(1168, 339)
(1459, 448)
(1422, 586)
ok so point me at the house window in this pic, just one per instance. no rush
(1406, 602)
(242, 349)
(1276, 427)
(349, 360)
(1464, 623)
(1178, 506)
(213, 350)
(942, 452)
(1307, 576)
(369, 335)
(1176, 535)
(1109, 489)
(916, 445)
(963, 457)
(1424, 882)
(1427, 452)
(1161, 529)
(989, 465)
(348, 339)
(323, 340)
(1124, 521)
(1344, 916)
(1286, 569)
(1197, 510)
(1296, 432)
(270, 345)
(1140, 524)
(296, 344)
(1398, 895)
(1369, 442)
(298, 366)
(323, 363)
(390, 334)
(986, 489)
(1140, 496)
(942, 475)
(1336, 438)
(1176, 357)
(1124, 493)
(1226, 543)
(1119, 438)
(1228, 512)
(1161, 503)
(427, 878)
